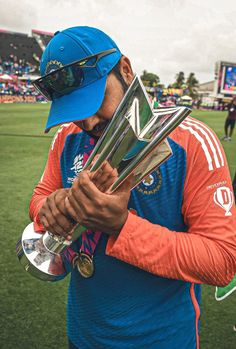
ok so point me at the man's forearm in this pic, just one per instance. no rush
(176, 255)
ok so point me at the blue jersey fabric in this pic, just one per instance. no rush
(122, 306)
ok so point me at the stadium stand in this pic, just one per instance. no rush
(19, 64)
(42, 38)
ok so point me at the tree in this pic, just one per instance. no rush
(150, 79)
(179, 80)
(192, 84)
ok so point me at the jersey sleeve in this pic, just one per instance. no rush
(51, 179)
(206, 253)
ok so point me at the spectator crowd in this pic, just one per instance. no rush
(16, 77)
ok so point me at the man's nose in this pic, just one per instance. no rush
(89, 123)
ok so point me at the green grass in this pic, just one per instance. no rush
(33, 312)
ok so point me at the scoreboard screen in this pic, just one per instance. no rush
(229, 79)
(226, 76)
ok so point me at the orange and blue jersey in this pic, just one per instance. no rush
(180, 233)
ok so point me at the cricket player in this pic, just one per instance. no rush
(147, 251)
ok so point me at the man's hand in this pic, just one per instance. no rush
(104, 176)
(87, 203)
(54, 216)
(93, 208)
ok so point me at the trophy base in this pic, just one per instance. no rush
(37, 259)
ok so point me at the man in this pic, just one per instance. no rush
(174, 231)
(230, 120)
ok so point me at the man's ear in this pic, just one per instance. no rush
(126, 70)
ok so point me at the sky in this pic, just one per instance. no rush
(160, 36)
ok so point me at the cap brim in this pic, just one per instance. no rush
(78, 105)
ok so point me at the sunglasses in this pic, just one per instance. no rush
(69, 77)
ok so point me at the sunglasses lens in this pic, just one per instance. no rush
(43, 88)
(61, 82)
(65, 80)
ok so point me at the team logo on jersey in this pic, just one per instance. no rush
(76, 168)
(223, 197)
(78, 164)
(53, 65)
(151, 184)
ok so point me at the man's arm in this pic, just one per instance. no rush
(50, 182)
(206, 253)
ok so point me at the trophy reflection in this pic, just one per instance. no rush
(134, 143)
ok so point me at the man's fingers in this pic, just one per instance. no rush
(106, 182)
(44, 222)
(86, 186)
(59, 225)
(59, 200)
(104, 167)
(104, 177)
(57, 218)
(73, 208)
(50, 225)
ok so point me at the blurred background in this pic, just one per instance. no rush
(184, 52)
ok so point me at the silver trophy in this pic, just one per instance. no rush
(134, 143)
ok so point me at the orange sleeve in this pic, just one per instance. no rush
(206, 253)
(51, 178)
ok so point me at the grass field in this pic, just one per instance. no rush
(32, 311)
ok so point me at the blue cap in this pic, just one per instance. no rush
(66, 47)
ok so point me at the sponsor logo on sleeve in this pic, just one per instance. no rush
(216, 185)
(223, 197)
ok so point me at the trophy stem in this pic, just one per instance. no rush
(57, 244)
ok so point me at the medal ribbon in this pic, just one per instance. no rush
(89, 242)
(89, 239)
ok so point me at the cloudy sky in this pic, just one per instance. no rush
(161, 36)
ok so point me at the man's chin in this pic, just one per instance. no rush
(93, 135)
(96, 134)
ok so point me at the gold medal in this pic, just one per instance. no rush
(85, 264)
